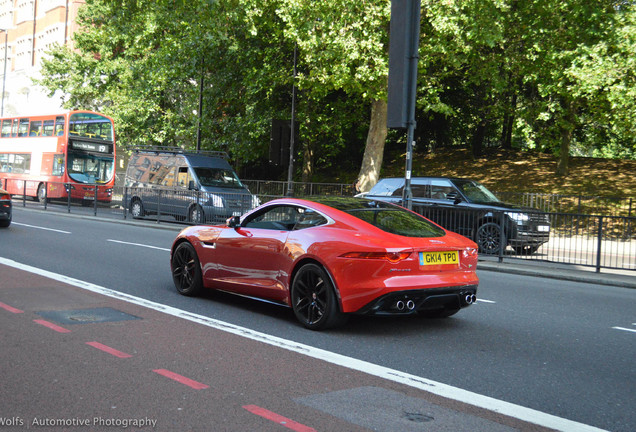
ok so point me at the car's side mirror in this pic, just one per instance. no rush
(191, 185)
(234, 222)
(454, 196)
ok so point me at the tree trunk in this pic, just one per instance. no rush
(374, 150)
(563, 166)
(478, 139)
(566, 130)
(508, 123)
(308, 164)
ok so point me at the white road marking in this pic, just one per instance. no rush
(625, 329)
(486, 301)
(42, 228)
(440, 389)
(138, 244)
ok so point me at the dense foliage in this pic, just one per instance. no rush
(555, 76)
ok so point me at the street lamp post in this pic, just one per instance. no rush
(4, 76)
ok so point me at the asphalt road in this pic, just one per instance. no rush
(559, 347)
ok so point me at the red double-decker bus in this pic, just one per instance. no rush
(49, 156)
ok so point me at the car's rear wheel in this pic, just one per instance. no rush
(186, 270)
(314, 300)
(489, 238)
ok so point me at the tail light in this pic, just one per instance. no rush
(392, 257)
(5, 197)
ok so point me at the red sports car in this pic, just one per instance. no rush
(330, 257)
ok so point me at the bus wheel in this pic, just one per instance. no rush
(196, 214)
(137, 209)
(41, 196)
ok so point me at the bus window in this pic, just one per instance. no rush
(23, 130)
(47, 128)
(14, 129)
(58, 165)
(36, 128)
(59, 126)
(15, 163)
(6, 128)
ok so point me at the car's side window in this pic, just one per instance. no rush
(441, 188)
(309, 218)
(275, 218)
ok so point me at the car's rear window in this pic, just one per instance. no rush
(387, 217)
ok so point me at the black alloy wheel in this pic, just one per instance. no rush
(490, 238)
(314, 300)
(186, 270)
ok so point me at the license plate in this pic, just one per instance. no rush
(438, 258)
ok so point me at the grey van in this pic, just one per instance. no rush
(194, 187)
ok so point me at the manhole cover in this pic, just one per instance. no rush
(87, 316)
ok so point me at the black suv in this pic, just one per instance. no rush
(468, 208)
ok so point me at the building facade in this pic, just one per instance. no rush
(28, 29)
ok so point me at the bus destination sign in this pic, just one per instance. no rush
(92, 147)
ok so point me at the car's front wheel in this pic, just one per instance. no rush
(314, 300)
(186, 270)
(137, 209)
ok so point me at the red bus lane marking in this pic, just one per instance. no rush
(52, 326)
(10, 309)
(180, 378)
(109, 350)
(283, 421)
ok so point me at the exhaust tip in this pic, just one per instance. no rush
(399, 305)
(410, 305)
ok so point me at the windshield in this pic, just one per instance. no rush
(475, 192)
(91, 126)
(218, 177)
(85, 168)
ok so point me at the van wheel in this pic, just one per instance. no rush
(196, 214)
(137, 209)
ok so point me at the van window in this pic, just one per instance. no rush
(183, 177)
(218, 177)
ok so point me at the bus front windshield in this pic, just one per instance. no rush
(86, 168)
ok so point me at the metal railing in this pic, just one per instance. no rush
(597, 241)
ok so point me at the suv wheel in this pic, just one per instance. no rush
(489, 238)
